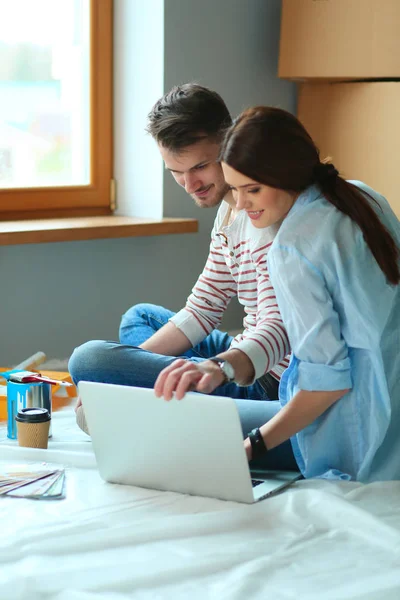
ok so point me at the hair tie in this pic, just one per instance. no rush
(324, 172)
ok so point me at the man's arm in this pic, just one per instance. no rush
(241, 363)
(169, 340)
(265, 342)
(184, 375)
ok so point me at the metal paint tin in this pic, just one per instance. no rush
(25, 395)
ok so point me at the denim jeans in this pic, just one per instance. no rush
(124, 363)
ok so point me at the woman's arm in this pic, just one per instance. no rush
(323, 370)
(304, 408)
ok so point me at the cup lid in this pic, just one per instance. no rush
(33, 415)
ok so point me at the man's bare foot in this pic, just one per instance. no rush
(81, 419)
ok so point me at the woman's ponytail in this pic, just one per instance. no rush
(351, 201)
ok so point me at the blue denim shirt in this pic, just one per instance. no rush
(343, 322)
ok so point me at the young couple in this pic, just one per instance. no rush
(290, 232)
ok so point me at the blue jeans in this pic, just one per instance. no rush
(125, 363)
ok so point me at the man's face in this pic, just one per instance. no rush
(196, 169)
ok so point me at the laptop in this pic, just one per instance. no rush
(192, 446)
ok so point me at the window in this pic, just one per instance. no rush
(55, 108)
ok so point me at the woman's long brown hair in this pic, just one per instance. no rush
(271, 146)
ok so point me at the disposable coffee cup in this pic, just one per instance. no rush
(25, 395)
(33, 427)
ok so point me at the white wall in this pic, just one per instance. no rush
(138, 81)
(55, 296)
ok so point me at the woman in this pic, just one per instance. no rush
(334, 265)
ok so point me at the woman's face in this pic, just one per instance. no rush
(264, 205)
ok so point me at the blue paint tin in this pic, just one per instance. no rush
(25, 395)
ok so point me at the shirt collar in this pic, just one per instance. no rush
(309, 195)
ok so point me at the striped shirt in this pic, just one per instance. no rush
(237, 266)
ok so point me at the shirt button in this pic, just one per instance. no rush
(231, 253)
(237, 265)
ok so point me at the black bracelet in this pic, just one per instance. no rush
(258, 447)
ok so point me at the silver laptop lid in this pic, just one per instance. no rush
(191, 446)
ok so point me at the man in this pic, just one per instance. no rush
(188, 124)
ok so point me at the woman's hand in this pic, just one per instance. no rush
(183, 376)
(247, 447)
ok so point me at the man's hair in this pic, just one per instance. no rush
(187, 114)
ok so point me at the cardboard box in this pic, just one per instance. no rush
(340, 39)
(358, 125)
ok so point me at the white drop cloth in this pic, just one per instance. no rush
(317, 540)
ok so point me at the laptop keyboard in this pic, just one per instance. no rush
(256, 482)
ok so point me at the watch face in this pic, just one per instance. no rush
(228, 370)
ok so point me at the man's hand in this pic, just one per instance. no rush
(183, 376)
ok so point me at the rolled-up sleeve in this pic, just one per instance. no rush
(311, 321)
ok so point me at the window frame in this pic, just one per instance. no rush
(96, 198)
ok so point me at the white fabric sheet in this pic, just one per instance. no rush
(318, 539)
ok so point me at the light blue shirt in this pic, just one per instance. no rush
(343, 322)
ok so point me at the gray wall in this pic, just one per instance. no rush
(55, 296)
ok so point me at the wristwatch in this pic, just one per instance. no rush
(226, 368)
(258, 447)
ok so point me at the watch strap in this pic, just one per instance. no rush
(221, 362)
(258, 447)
